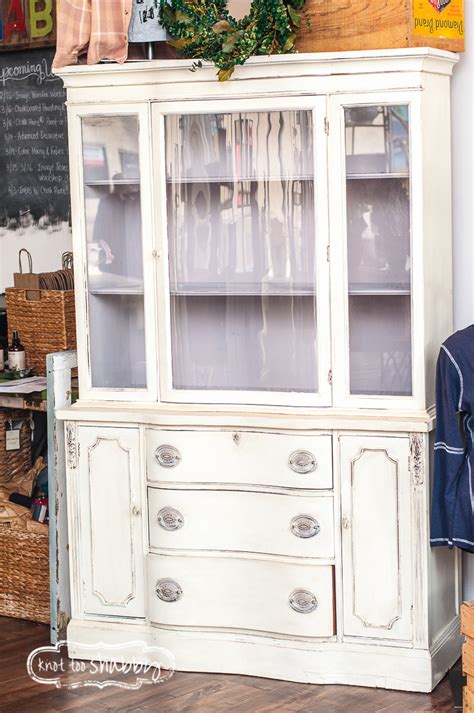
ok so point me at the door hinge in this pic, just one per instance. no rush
(330, 377)
(326, 125)
(328, 253)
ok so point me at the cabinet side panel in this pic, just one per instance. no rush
(444, 580)
(437, 278)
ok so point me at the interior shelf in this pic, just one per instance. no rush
(117, 292)
(379, 290)
(238, 179)
(112, 284)
(365, 176)
(236, 290)
(109, 182)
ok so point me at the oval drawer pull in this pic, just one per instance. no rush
(305, 526)
(170, 519)
(167, 456)
(168, 590)
(302, 462)
(303, 601)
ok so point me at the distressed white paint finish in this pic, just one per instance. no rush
(317, 106)
(80, 246)
(245, 522)
(323, 83)
(312, 661)
(232, 480)
(240, 457)
(336, 71)
(376, 537)
(254, 417)
(111, 547)
(241, 594)
(421, 352)
(59, 368)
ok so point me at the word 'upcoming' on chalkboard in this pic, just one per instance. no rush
(34, 185)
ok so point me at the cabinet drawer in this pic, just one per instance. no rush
(281, 460)
(292, 525)
(232, 593)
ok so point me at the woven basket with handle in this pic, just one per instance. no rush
(24, 554)
(41, 309)
(45, 325)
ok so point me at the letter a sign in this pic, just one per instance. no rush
(27, 23)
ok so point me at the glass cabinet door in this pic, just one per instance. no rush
(111, 174)
(241, 227)
(379, 249)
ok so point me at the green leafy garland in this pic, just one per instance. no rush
(206, 31)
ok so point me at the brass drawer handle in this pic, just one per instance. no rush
(303, 601)
(302, 462)
(305, 526)
(167, 456)
(170, 519)
(168, 590)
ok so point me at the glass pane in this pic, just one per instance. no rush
(379, 249)
(241, 230)
(114, 251)
(377, 139)
(380, 342)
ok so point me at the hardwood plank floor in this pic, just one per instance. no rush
(191, 692)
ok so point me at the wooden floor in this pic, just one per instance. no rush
(191, 692)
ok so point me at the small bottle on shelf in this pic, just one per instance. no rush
(16, 354)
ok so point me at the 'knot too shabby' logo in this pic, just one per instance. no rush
(439, 5)
(135, 665)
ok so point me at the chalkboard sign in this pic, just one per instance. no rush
(34, 183)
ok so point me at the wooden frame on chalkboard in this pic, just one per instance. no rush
(25, 24)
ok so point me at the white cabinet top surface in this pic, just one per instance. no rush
(417, 59)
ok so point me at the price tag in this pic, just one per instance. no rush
(13, 439)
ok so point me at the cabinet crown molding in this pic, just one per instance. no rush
(415, 59)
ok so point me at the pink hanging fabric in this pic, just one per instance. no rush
(92, 30)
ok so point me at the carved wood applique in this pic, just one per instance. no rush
(416, 458)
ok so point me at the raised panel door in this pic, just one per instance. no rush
(111, 531)
(376, 537)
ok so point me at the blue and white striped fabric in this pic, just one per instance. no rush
(452, 510)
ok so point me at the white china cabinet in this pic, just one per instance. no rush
(263, 271)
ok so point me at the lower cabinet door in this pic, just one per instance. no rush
(233, 593)
(111, 546)
(376, 537)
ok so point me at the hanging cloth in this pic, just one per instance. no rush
(92, 29)
(452, 511)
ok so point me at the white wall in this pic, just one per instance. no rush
(45, 246)
(463, 204)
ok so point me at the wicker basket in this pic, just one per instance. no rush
(45, 325)
(24, 574)
(17, 462)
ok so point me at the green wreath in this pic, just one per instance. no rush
(206, 31)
